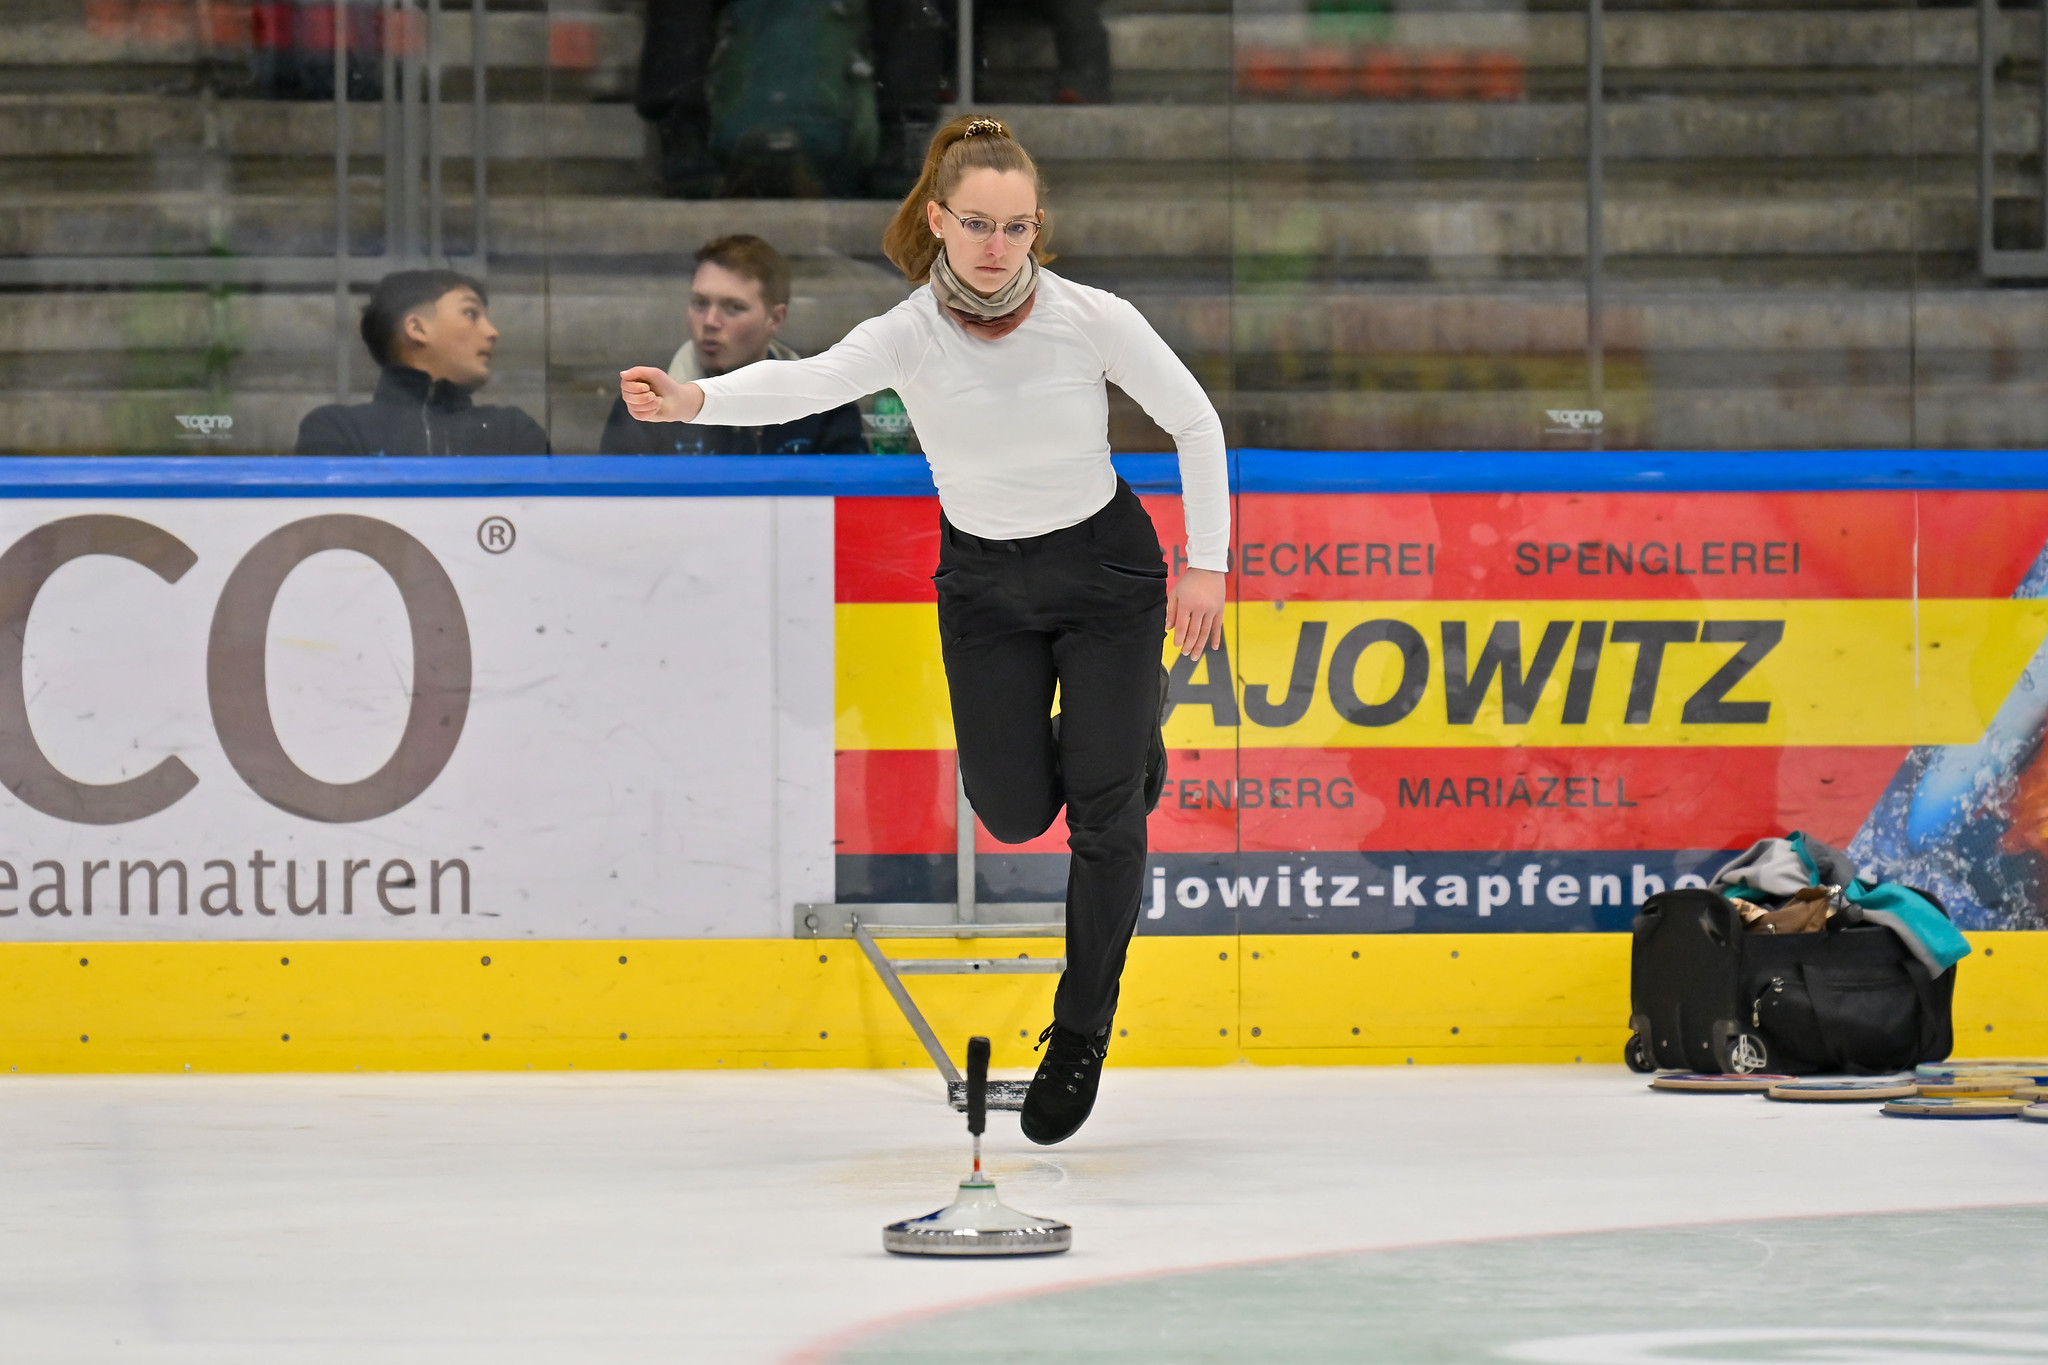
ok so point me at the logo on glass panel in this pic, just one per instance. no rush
(1573, 421)
(205, 426)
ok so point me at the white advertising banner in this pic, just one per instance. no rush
(378, 718)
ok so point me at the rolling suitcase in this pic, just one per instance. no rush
(1706, 995)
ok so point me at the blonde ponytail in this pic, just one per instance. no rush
(969, 143)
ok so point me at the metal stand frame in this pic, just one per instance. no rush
(963, 82)
(1596, 199)
(963, 918)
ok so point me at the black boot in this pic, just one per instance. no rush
(1155, 757)
(1063, 1091)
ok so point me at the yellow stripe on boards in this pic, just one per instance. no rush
(1858, 672)
(556, 1005)
(707, 1003)
(2001, 1007)
(1506, 997)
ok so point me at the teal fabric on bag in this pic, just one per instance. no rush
(1926, 931)
(1908, 913)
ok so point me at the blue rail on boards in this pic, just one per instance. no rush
(556, 476)
(1252, 471)
(559, 476)
(1635, 471)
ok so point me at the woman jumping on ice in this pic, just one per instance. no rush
(1050, 572)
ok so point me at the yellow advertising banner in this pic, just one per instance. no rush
(1487, 674)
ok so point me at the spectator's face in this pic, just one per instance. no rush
(1000, 197)
(729, 322)
(452, 339)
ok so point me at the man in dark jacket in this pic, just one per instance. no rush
(430, 333)
(739, 298)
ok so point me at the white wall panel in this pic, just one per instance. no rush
(647, 749)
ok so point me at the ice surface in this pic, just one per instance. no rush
(720, 1217)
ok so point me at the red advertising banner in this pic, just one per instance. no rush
(1521, 711)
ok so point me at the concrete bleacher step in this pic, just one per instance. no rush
(1728, 40)
(593, 319)
(1869, 126)
(1754, 36)
(1551, 320)
(1987, 411)
(1668, 417)
(92, 125)
(1150, 139)
(1425, 220)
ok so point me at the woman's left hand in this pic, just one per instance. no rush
(1194, 612)
(652, 396)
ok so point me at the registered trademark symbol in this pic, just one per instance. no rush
(496, 535)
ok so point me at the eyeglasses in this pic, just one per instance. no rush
(1017, 232)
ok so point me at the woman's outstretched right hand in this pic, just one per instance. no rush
(651, 396)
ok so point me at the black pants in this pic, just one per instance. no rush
(1084, 608)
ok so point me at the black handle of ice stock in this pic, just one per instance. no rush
(977, 1085)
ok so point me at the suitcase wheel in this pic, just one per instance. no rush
(1637, 1054)
(1738, 1051)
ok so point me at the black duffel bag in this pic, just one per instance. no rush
(1706, 995)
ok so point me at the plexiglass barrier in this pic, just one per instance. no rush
(1365, 224)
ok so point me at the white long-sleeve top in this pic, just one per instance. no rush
(1016, 430)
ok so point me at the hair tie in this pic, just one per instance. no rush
(985, 127)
